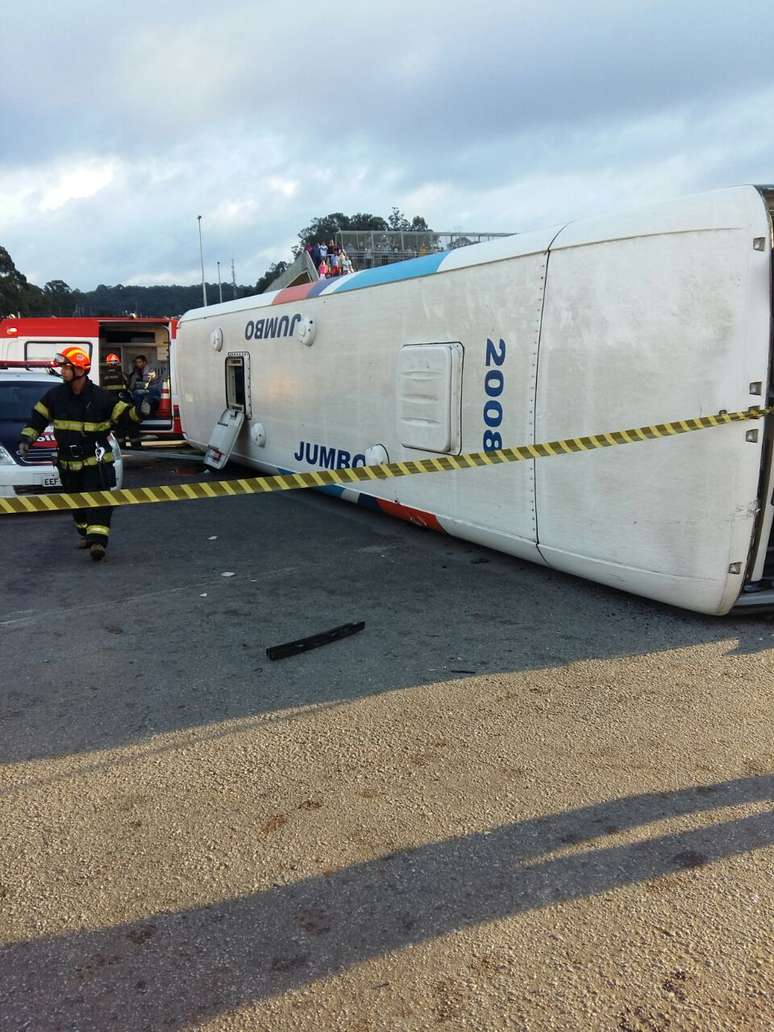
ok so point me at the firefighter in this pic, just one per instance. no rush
(114, 379)
(82, 415)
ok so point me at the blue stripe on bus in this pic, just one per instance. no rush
(411, 269)
(318, 287)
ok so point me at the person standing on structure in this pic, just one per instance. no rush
(82, 415)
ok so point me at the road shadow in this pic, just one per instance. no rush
(172, 969)
(158, 638)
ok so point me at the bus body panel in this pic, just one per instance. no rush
(651, 317)
(339, 394)
(661, 321)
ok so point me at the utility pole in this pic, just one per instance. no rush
(201, 256)
(233, 278)
(220, 288)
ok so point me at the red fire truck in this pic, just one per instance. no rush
(36, 340)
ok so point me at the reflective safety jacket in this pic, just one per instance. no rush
(81, 423)
(113, 378)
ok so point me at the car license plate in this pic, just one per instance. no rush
(51, 482)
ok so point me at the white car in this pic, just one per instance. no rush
(37, 474)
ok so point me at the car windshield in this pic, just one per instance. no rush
(17, 398)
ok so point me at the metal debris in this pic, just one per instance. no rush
(314, 641)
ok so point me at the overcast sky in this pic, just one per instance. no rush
(120, 123)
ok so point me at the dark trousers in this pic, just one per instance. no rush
(153, 396)
(93, 524)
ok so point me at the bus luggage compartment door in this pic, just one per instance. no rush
(223, 438)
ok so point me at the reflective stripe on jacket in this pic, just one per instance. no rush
(81, 422)
(113, 379)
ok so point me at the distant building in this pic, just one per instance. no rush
(302, 270)
(368, 248)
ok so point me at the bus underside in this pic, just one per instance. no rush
(758, 591)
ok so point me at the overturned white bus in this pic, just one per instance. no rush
(607, 323)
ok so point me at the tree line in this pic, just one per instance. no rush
(20, 297)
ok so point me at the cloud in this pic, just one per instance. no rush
(502, 117)
(284, 187)
(46, 188)
(163, 278)
(77, 183)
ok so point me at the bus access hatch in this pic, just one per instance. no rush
(223, 438)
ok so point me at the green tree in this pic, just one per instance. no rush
(59, 297)
(325, 228)
(365, 221)
(17, 296)
(397, 220)
(274, 270)
(418, 225)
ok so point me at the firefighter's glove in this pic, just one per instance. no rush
(145, 409)
(24, 447)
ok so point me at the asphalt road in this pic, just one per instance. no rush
(516, 800)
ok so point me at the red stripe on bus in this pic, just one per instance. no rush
(405, 512)
(292, 293)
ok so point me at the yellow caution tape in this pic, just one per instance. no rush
(347, 477)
